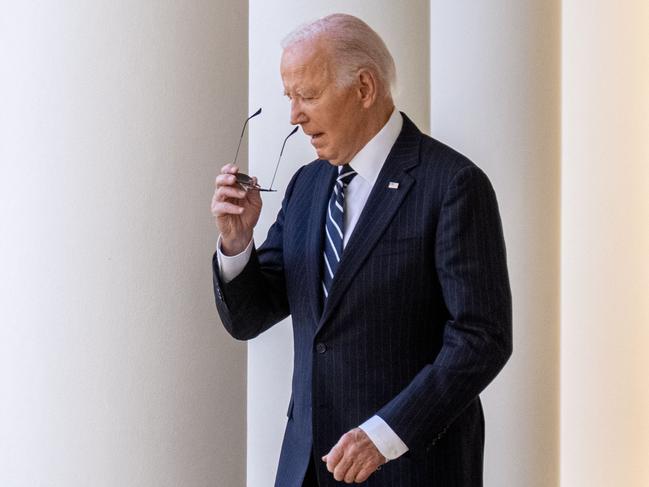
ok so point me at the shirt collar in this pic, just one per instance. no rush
(370, 159)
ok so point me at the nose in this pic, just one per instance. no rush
(297, 113)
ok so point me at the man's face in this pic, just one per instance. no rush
(329, 114)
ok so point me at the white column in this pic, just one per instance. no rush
(114, 120)
(495, 96)
(605, 245)
(404, 28)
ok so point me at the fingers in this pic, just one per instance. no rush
(227, 192)
(229, 169)
(224, 201)
(354, 458)
(334, 457)
(364, 473)
(221, 208)
(226, 177)
(352, 472)
(342, 469)
(225, 180)
(222, 193)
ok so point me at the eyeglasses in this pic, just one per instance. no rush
(246, 182)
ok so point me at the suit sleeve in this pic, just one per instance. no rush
(256, 299)
(477, 338)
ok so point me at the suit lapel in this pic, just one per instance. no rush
(323, 182)
(380, 209)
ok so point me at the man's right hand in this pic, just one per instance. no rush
(236, 211)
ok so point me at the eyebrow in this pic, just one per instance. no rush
(306, 93)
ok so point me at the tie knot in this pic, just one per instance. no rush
(345, 174)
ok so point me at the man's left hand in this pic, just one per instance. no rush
(354, 458)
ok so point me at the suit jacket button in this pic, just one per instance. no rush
(321, 348)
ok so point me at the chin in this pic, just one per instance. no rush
(322, 155)
(327, 156)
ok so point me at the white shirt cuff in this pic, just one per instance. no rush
(384, 438)
(231, 266)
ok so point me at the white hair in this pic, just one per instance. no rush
(353, 44)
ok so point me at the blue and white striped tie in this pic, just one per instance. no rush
(334, 227)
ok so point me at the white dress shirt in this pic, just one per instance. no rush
(367, 163)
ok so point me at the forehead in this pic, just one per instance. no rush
(305, 63)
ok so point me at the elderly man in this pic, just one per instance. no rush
(388, 254)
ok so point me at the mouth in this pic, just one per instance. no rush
(315, 137)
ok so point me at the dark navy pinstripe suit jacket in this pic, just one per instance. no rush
(417, 323)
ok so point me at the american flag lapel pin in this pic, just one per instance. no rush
(393, 185)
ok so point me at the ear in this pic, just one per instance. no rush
(367, 87)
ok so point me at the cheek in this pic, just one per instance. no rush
(344, 127)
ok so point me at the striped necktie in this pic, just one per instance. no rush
(334, 227)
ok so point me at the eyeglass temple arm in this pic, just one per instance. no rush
(280, 156)
(243, 130)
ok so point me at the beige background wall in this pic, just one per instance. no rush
(114, 118)
(605, 245)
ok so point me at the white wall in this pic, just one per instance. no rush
(114, 120)
(404, 28)
(495, 96)
(605, 245)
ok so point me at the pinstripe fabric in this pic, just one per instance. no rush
(416, 325)
(335, 227)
